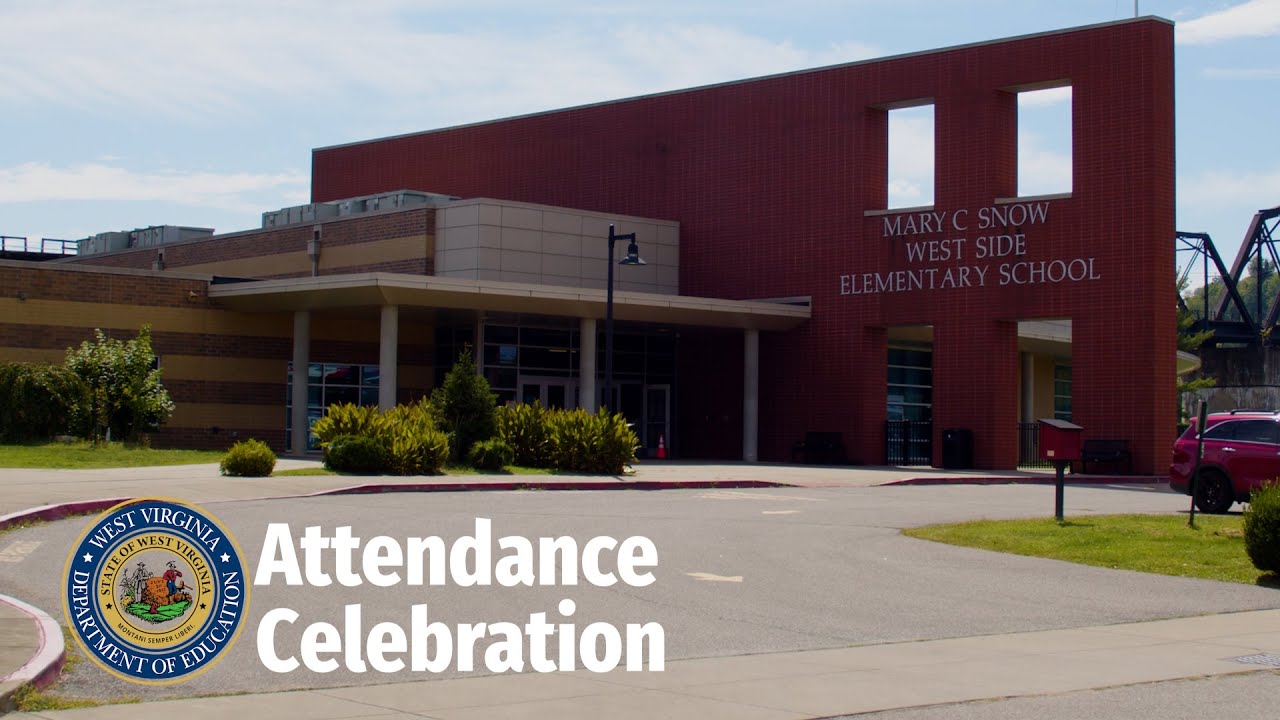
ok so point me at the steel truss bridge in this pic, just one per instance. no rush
(1232, 318)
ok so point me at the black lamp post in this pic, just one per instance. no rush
(632, 258)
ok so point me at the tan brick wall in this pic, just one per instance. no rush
(225, 371)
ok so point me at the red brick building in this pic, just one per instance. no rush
(780, 188)
(773, 193)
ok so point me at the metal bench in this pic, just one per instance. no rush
(1111, 452)
(819, 448)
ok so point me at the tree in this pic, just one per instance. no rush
(467, 407)
(125, 397)
(1190, 341)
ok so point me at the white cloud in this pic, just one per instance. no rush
(1236, 188)
(1242, 73)
(37, 182)
(1044, 98)
(911, 157)
(1255, 18)
(196, 60)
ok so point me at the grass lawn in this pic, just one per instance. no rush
(1147, 543)
(83, 455)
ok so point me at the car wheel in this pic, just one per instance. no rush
(1214, 493)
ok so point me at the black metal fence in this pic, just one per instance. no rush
(1029, 446)
(908, 442)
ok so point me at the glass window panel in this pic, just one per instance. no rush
(662, 345)
(339, 394)
(500, 377)
(315, 371)
(628, 363)
(1221, 431)
(627, 343)
(505, 396)
(369, 375)
(369, 396)
(544, 358)
(314, 395)
(544, 337)
(555, 396)
(501, 334)
(530, 393)
(341, 375)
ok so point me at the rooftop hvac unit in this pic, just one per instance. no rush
(275, 218)
(351, 207)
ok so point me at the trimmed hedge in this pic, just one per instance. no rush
(1262, 528)
(491, 454)
(357, 454)
(249, 458)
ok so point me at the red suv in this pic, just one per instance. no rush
(1241, 452)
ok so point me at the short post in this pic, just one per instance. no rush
(1060, 491)
(1195, 475)
(1060, 442)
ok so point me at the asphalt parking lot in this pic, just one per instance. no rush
(818, 567)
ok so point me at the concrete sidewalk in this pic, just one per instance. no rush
(787, 686)
(23, 489)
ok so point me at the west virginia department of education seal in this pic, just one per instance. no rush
(155, 591)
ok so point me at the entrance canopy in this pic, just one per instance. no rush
(387, 289)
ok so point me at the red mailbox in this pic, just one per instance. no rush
(1060, 440)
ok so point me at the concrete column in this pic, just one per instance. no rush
(750, 394)
(301, 358)
(587, 365)
(1028, 387)
(388, 344)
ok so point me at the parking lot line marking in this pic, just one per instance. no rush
(779, 512)
(708, 577)
(18, 551)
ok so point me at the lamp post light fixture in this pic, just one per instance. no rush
(632, 258)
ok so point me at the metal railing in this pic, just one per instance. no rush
(40, 246)
(1029, 446)
(908, 442)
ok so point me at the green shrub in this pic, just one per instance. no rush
(416, 450)
(600, 444)
(249, 458)
(357, 454)
(524, 428)
(346, 419)
(467, 408)
(491, 454)
(124, 396)
(38, 402)
(1262, 528)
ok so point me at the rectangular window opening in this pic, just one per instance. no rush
(911, 156)
(1044, 141)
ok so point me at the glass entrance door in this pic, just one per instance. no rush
(552, 392)
(657, 419)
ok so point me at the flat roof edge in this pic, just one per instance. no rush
(104, 269)
(730, 83)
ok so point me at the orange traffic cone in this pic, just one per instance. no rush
(662, 446)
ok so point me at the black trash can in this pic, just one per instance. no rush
(957, 449)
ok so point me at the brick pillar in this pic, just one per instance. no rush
(975, 386)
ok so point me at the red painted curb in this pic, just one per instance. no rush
(1034, 480)
(48, 513)
(375, 488)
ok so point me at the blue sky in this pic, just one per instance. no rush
(129, 113)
